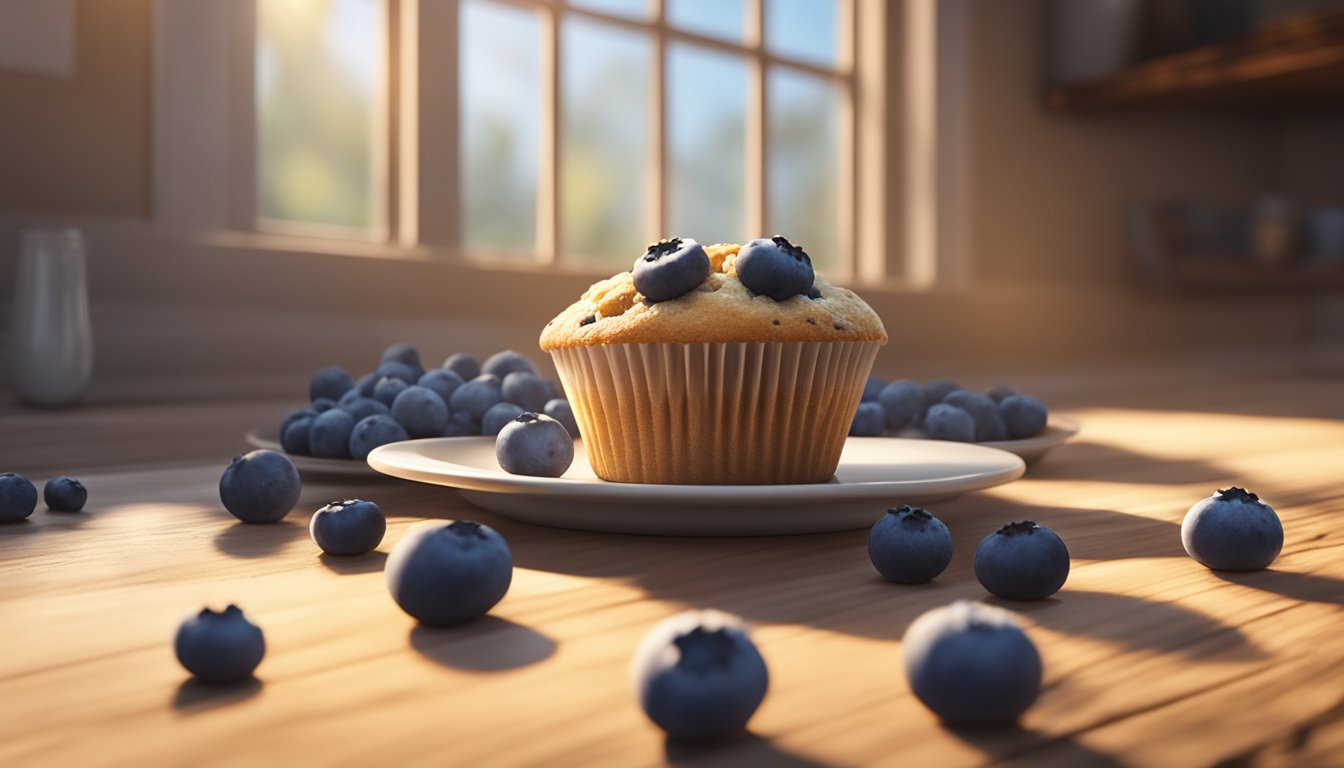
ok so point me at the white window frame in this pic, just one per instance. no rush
(204, 120)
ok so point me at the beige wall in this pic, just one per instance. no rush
(81, 145)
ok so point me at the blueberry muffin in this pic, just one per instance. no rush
(726, 364)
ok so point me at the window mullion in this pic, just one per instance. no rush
(656, 186)
(757, 151)
(548, 157)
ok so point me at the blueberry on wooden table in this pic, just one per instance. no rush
(908, 545)
(329, 383)
(349, 527)
(1022, 561)
(535, 445)
(903, 403)
(699, 676)
(1023, 415)
(420, 411)
(948, 422)
(449, 573)
(1232, 530)
(503, 363)
(219, 647)
(64, 494)
(373, 431)
(670, 268)
(559, 409)
(466, 366)
(869, 421)
(775, 267)
(971, 664)
(18, 497)
(260, 487)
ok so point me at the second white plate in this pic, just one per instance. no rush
(874, 474)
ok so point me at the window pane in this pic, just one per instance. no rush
(638, 9)
(715, 18)
(321, 119)
(801, 29)
(500, 91)
(604, 135)
(803, 162)
(706, 129)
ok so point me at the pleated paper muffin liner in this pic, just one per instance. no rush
(748, 413)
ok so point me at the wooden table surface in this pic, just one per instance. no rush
(1150, 659)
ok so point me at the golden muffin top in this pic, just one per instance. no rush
(720, 309)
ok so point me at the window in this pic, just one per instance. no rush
(527, 132)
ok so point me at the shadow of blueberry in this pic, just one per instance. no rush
(193, 696)
(369, 562)
(745, 748)
(489, 644)
(1083, 460)
(253, 540)
(1306, 587)
(1029, 747)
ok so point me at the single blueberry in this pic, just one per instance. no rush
(351, 395)
(477, 396)
(501, 364)
(293, 416)
(670, 268)
(421, 411)
(498, 416)
(560, 410)
(18, 497)
(219, 647)
(363, 407)
(909, 546)
(527, 390)
(295, 437)
(936, 390)
(1023, 416)
(872, 389)
(1232, 530)
(260, 487)
(330, 382)
(988, 425)
(461, 424)
(902, 401)
(442, 381)
(775, 268)
(329, 437)
(699, 676)
(350, 527)
(449, 573)
(999, 392)
(373, 431)
(367, 383)
(534, 445)
(393, 369)
(869, 421)
(464, 365)
(401, 352)
(972, 664)
(1022, 561)
(322, 404)
(64, 494)
(948, 422)
(387, 390)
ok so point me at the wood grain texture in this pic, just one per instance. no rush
(1150, 659)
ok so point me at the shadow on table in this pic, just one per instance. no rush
(1089, 533)
(43, 521)
(257, 540)
(743, 749)
(489, 644)
(1082, 460)
(369, 562)
(194, 696)
(1296, 586)
(1136, 623)
(1013, 742)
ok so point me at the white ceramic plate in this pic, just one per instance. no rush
(875, 473)
(329, 469)
(1031, 448)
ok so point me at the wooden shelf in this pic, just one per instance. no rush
(1298, 61)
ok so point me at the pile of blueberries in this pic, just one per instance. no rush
(698, 675)
(400, 400)
(942, 410)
